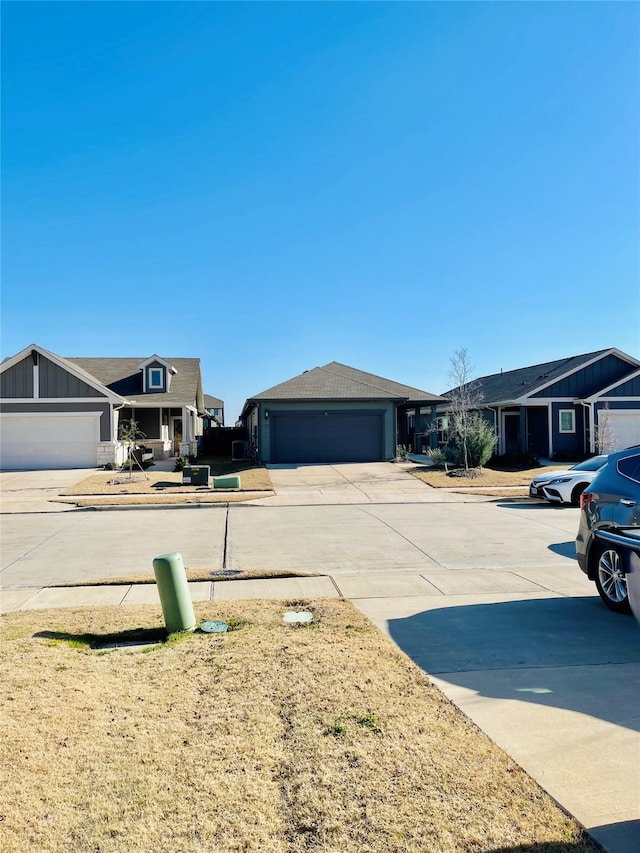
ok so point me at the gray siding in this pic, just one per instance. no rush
(585, 382)
(17, 381)
(103, 408)
(56, 382)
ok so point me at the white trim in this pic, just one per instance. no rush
(159, 385)
(550, 428)
(36, 380)
(571, 431)
(62, 363)
(616, 399)
(103, 401)
(600, 394)
(165, 404)
(96, 415)
(157, 358)
(612, 351)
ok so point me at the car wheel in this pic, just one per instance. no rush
(577, 491)
(610, 580)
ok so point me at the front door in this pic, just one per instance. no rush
(176, 427)
(511, 433)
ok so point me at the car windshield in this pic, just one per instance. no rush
(590, 464)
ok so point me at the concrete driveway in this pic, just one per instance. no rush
(36, 491)
(352, 483)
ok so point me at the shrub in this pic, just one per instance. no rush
(180, 463)
(437, 455)
(479, 442)
(403, 451)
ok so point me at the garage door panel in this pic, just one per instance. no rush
(331, 437)
(624, 426)
(33, 442)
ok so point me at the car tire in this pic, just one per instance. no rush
(610, 579)
(577, 491)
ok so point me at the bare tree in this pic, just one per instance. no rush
(129, 435)
(464, 400)
(605, 437)
(468, 430)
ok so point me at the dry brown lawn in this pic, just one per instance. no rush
(160, 482)
(108, 488)
(270, 738)
(195, 575)
(491, 481)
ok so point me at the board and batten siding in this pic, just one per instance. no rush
(631, 388)
(17, 382)
(588, 380)
(54, 382)
(103, 408)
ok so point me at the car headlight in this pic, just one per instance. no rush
(559, 480)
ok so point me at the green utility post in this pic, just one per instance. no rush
(173, 589)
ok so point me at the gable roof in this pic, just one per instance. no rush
(512, 385)
(66, 364)
(213, 402)
(337, 381)
(124, 377)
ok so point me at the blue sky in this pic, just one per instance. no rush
(273, 186)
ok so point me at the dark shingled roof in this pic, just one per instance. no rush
(337, 381)
(512, 384)
(124, 377)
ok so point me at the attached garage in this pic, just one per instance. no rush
(625, 427)
(327, 436)
(33, 441)
(330, 414)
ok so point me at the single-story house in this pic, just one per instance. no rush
(333, 413)
(214, 411)
(60, 412)
(559, 406)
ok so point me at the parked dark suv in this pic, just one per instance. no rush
(611, 503)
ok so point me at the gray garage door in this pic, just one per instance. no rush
(330, 437)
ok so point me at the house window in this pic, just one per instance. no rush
(155, 378)
(567, 420)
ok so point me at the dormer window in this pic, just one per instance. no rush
(156, 379)
(156, 375)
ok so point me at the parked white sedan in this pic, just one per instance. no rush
(565, 487)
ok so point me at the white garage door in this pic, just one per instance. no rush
(625, 427)
(48, 441)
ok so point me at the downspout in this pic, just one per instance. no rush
(592, 428)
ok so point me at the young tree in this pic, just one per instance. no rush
(605, 438)
(129, 435)
(471, 436)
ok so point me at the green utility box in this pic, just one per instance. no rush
(195, 475)
(231, 481)
(173, 590)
